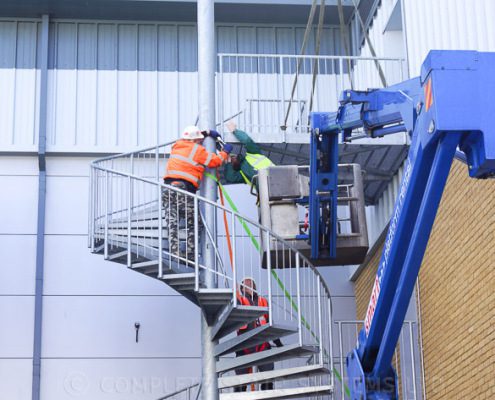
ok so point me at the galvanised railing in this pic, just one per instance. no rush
(258, 90)
(130, 213)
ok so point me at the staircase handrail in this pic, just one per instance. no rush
(302, 302)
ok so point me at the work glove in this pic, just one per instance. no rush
(213, 134)
(228, 148)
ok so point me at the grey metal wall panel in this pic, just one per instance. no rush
(103, 327)
(107, 49)
(117, 86)
(16, 336)
(135, 379)
(87, 46)
(188, 48)
(127, 47)
(8, 38)
(167, 48)
(15, 379)
(17, 271)
(71, 269)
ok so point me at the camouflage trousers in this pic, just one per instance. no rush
(179, 207)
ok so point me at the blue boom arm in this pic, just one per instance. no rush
(450, 106)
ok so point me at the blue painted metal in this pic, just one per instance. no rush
(40, 238)
(449, 106)
(323, 188)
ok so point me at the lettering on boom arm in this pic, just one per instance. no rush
(375, 293)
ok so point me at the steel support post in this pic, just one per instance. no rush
(206, 97)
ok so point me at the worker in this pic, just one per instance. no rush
(242, 168)
(248, 296)
(185, 169)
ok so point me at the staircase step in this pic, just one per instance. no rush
(264, 357)
(232, 318)
(261, 334)
(272, 376)
(293, 393)
(213, 301)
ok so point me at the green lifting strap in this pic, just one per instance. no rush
(257, 246)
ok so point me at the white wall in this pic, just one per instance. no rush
(447, 25)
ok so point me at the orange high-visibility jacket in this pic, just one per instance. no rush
(263, 320)
(188, 161)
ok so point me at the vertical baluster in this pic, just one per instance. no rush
(196, 243)
(330, 342)
(234, 264)
(160, 230)
(298, 283)
(107, 197)
(320, 326)
(341, 361)
(269, 273)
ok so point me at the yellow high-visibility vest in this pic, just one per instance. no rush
(257, 161)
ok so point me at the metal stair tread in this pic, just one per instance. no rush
(264, 357)
(253, 337)
(292, 393)
(233, 317)
(272, 376)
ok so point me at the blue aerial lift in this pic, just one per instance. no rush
(448, 110)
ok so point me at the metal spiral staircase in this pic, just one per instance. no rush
(128, 225)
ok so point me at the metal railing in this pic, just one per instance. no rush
(406, 361)
(257, 89)
(185, 393)
(137, 218)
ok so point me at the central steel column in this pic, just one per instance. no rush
(206, 97)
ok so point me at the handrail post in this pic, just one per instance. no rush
(90, 213)
(220, 91)
(298, 284)
(107, 199)
(196, 244)
(341, 73)
(330, 344)
(234, 263)
(341, 349)
(413, 366)
(320, 326)
(160, 230)
(129, 224)
(269, 274)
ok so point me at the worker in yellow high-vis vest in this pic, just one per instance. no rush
(242, 168)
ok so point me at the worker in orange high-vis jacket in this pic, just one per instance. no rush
(248, 296)
(185, 169)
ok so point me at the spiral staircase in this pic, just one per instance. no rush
(128, 225)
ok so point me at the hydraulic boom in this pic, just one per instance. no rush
(449, 108)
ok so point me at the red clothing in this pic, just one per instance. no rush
(263, 320)
(188, 161)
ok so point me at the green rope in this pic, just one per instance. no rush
(274, 274)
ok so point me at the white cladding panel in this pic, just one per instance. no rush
(71, 269)
(16, 335)
(447, 25)
(18, 264)
(136, 379)
(18, 204)
(103, 327)
(16, 379)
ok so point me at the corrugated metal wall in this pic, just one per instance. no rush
(115, 86)
(439, 24)
(447, 25)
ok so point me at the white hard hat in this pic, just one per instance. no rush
(192, 132)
